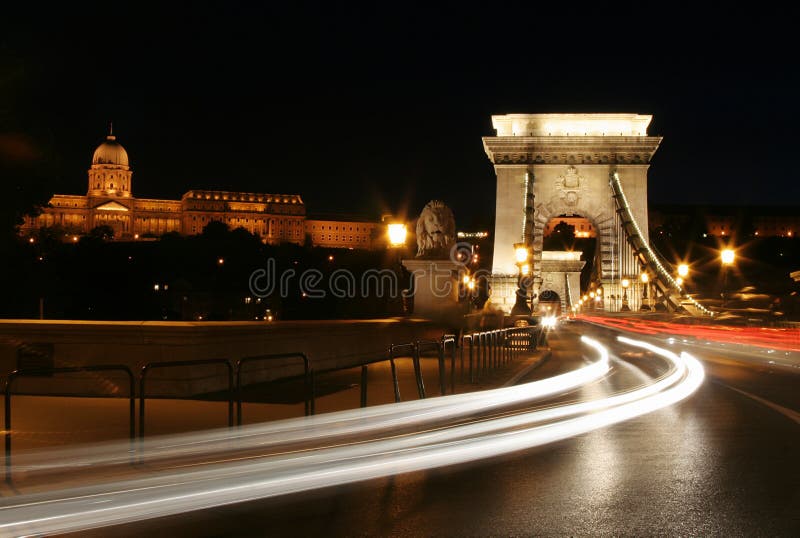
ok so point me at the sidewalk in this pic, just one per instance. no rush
(49, 421)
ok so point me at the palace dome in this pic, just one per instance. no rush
(110, 152)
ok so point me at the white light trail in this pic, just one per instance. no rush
(366, 422)
(193, 488)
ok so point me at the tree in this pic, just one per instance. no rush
(215, 230)
(561, 238)
(103, 232)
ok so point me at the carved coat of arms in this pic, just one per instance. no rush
(568, 186)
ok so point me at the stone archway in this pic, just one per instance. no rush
(550, 303)
(599, 212)
(560, 274)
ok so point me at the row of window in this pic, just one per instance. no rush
(331, 237)
(336, 228)
(246, 198)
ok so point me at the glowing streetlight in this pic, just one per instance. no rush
(728, 256)
(683, 270)
(397, 235)
(521, 253)
(220, 261)
(645, 299)
(625, 283)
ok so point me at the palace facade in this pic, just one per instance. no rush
(109, 201)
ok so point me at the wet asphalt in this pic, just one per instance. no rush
(720, 463)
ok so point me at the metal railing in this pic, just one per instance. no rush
(177, 364)
(487, 350)
(421, 346)
(392, 357)
(484, 350)
(365, 377)
(64, 370)
(451, 339)
(308, 380)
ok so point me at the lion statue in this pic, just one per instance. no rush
(436, 230)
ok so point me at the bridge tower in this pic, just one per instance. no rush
(552, 165)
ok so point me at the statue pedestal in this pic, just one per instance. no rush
(436, 289)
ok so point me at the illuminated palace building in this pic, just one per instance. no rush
(109, 201)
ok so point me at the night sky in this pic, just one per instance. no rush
(366, 110)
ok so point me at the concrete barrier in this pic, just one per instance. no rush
(328, 344)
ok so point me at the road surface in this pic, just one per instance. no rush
(723, 462)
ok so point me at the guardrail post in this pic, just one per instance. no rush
(452, 340)
(7, 425)
(418, 372)
(395, 381)
(364, 385)
(484, 351)
(442, 373)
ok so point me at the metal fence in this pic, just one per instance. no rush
(482, 351)
(39, 372)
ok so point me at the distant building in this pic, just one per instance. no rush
(725, 221)
(583, 226)
(335, 232)
(109, 201)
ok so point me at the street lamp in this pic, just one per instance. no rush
(397, 235)
(645, 285)
(727, 256)
(625, 283)
(683, 270)
(521, 255)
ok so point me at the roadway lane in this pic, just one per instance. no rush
(717, 464)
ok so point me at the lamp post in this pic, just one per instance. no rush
(521, 254)
(625, 283)
(645, 285)
(397, 234)
(727, 256)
